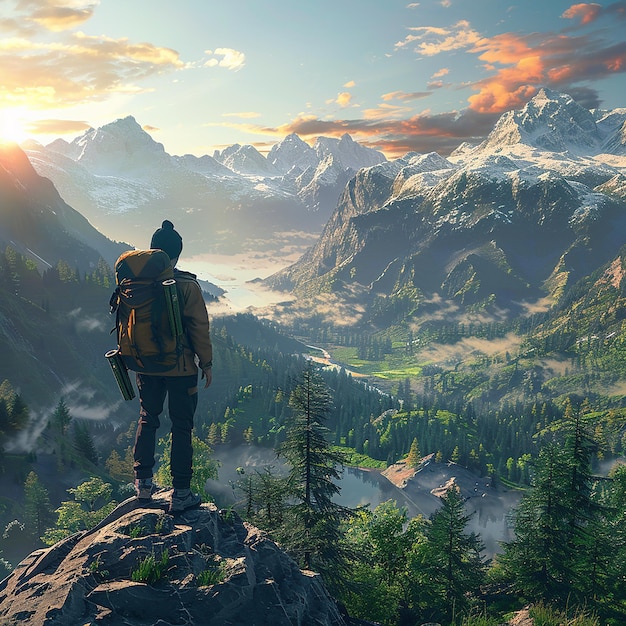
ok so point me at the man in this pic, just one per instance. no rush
(180, 384)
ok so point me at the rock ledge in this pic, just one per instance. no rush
(210, 568)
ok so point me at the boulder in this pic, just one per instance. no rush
(143, 566)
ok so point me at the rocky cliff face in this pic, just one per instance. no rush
(530, 211)
(142, 566)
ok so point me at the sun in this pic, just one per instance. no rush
(12, 126)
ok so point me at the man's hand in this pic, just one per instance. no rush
(208, 374)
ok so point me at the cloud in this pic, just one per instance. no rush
(430, 41)
(230, 59)
(524, 63)
(73, 68)
(350, 84)
(385, 112)
(518, 65)
(58, 18)
(344, 99)
(420, 133)
(589, 12)
(56, 127)
(76, 70)
(586, 12)
(470, 347)
(442, 72)
(403, 95)
(243, 114)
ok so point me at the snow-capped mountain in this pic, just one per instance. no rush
(539, 204)
(291, 154)
(115, 149)
(124, 182)
(245, 160)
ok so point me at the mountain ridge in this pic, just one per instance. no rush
(121, 179)
(550, 215)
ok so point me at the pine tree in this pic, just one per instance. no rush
(414, 457)
(449, 569)
(37, 510)
(538, 560)
(311, 532)
(59, 423)
(84, 444)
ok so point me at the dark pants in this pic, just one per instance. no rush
(182, 399)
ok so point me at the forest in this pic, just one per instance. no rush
(568, 554)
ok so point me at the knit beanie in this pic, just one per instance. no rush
(168, 240)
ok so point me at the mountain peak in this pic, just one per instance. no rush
(347, 152)
(117, 147)
(292, 152)
(551, 121)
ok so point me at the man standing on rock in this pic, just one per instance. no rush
(179, 384)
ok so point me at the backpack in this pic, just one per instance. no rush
(145, 339)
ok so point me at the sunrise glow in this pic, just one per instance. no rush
(12, 126)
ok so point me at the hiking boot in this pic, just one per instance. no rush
(183, 500)
(144, 488)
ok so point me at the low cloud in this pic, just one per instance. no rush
(27, 439)
(468, 348)
(420, 133)
(91, 324)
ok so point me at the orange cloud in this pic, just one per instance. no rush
(440, 133)
(587, 13)
(523, 64)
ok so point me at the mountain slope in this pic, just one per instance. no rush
(37, 222)
(124, 183)
(530, 211)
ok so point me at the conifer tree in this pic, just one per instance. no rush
(414, 457)
(59, 423)
(538, 560)
(37, 510)
(448, 569)
(84, 443)
(312, 532)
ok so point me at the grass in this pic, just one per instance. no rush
(547, 616)
(211, 576)
(356, 459)
(392, 367)
(149, 570)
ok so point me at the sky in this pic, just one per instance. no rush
(201, 75)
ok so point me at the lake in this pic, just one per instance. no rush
(360, 487)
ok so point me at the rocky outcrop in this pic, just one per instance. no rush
(142, 566)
